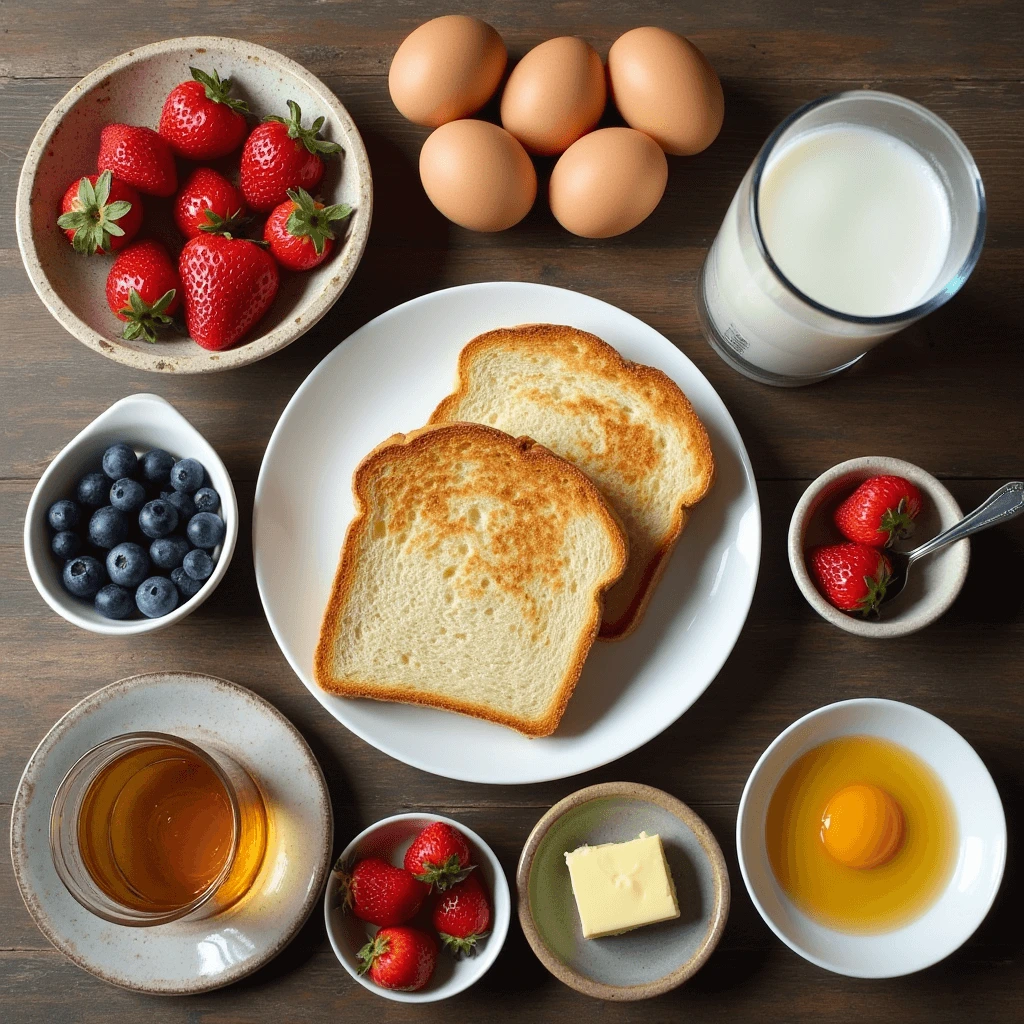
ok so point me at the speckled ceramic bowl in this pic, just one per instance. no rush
(131, 89)
(645, 962)
(934, 581)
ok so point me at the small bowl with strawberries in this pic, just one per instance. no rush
(194, 205)
(843, 535)
(417, 908)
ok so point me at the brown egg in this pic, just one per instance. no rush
(477, 175)
(446, 69)
(664, 86)
(608, 182)
(555, 95)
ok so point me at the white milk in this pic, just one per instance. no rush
(857, 219)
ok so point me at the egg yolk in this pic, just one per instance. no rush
(862, 826)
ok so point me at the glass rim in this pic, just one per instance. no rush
(956, 281)
(131, 916)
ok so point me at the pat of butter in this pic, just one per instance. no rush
(621, 886)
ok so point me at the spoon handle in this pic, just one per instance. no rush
(1006, 503)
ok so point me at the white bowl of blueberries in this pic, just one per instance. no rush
(133, 524)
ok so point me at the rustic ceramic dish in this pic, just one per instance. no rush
(144, 421)
(389, 838)
(936, 580)
(979, 861)
(131, 89)
(648, 961)
(190, 955)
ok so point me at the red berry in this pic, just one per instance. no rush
(439, 856)
(852, 577)
(200, 120)
(462, 916)
(143, 289)
(880, 511)
(229, 284)
(139, 157)
(208, 202)
(300, 231)
(100, 214)
(378, 892)
(280, 154)
(399, 958)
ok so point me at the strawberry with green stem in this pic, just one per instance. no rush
(399, 958)
(300, 232)
(852, 577)
(201, 120)
(100, 214)
(144, 290)
(462, 916)
(209, 203)
(439, 856)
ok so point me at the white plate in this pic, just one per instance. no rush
(184, 956)
(387, 378)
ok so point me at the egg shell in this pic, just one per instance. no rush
(664, 86)
(478, 175)
(446, 69)
(555, 95)
(608, 182)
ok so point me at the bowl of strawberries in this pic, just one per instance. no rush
(844, 532)
(194, 205)
(417, 908)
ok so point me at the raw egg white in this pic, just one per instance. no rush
(555, 95)
(446, 69)
(478, 175)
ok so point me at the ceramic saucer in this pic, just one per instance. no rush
(184, 956)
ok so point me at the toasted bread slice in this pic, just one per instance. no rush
(627, 426)
(471, 577)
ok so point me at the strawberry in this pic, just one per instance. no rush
(100, 214)
(400, 958)
(143, 289)
(229, 283)
(200, 120)
(208, 202)
(378, 892)
(463, 916)
(880, 511)
(299, 231)
(439, 856)
(853, 577)
(139, 157)
(280, 154)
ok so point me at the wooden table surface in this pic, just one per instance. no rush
(945, 394)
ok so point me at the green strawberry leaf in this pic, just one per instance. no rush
(146, 319)
(218, 90)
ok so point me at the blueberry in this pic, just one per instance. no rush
(206, 530)
(63, 515)
(198, 564)
(187, 586)
(114, 602)
(108, 527)
(156, 596)
(156, 467)
(158, 518)
(188, 476)
(206, 499)
(66, 544)
(183, 503)
(169, 552)
(93, 490)
(119, 460)
(83, 576)
(127, 495)
(128, 564)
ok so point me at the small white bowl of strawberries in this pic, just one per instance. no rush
(841, 535)
(194, 205)
(417, 908)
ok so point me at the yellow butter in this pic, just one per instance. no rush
(621, 886)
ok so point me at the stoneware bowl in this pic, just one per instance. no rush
(389, 838)
(131, 89)
(980, 859)
(648, 961)
(144, 421)
(934, 581)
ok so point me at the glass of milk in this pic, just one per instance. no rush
(862, 213)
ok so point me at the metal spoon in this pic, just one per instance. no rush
(1006, 503)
